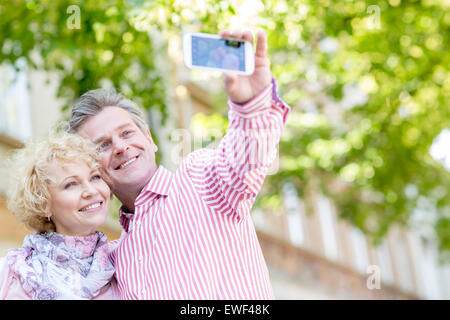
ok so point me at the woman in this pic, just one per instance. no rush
(58, 192)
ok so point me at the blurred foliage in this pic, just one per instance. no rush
(103, 50)
(368, 82)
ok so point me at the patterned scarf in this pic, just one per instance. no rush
(53, 266)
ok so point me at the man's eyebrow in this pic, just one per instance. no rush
(115, 129)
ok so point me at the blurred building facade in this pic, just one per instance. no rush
(317, 256)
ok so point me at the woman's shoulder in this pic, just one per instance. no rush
(10, 287)
(113, 245)
(4, 277)
(4, 268)
(110, 291)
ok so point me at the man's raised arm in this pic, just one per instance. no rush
(228, 178)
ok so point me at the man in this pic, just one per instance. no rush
(188, 234)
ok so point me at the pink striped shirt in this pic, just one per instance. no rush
(191, 235)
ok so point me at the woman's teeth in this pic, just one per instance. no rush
(96, 205)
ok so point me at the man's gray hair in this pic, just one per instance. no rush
(93, 102)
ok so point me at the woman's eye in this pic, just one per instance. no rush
(70, 184)
(96, 177)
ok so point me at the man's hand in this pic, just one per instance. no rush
(240, 88)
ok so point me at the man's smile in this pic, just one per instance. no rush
(126, 163)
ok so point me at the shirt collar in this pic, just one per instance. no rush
(159, 183)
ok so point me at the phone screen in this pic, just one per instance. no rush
(218, 53)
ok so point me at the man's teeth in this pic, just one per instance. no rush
(123, 165)
(92, 206)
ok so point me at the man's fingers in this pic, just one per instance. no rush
(261, 45)
(224, 33)
(236, 34)
(229, 79)
(248, 36)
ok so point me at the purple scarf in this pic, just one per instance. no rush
(54, 266)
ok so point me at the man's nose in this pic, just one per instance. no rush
(120, 146)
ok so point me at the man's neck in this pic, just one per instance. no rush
(127, 195)
(127, 201)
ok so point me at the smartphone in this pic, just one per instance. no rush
(211, 52)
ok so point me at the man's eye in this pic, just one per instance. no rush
(104, 145)
(126, 132)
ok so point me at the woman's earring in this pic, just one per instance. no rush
(48, 218)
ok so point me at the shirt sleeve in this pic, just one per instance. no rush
(229, 177)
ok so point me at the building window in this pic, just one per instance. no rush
(328, 227)
(429, 267)
(294, 208)
(384, 260)
(359, 245)
(401, 255)
(258, 217)
(444, 276)
(15, 116)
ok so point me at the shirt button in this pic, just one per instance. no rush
(141, 258)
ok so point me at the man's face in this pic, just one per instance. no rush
(128, 155)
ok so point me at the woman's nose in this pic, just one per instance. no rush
(89, 190)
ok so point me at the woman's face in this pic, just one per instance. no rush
(79, 198)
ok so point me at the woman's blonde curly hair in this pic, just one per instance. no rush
(28, 196)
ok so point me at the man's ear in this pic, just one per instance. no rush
(149, 136)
